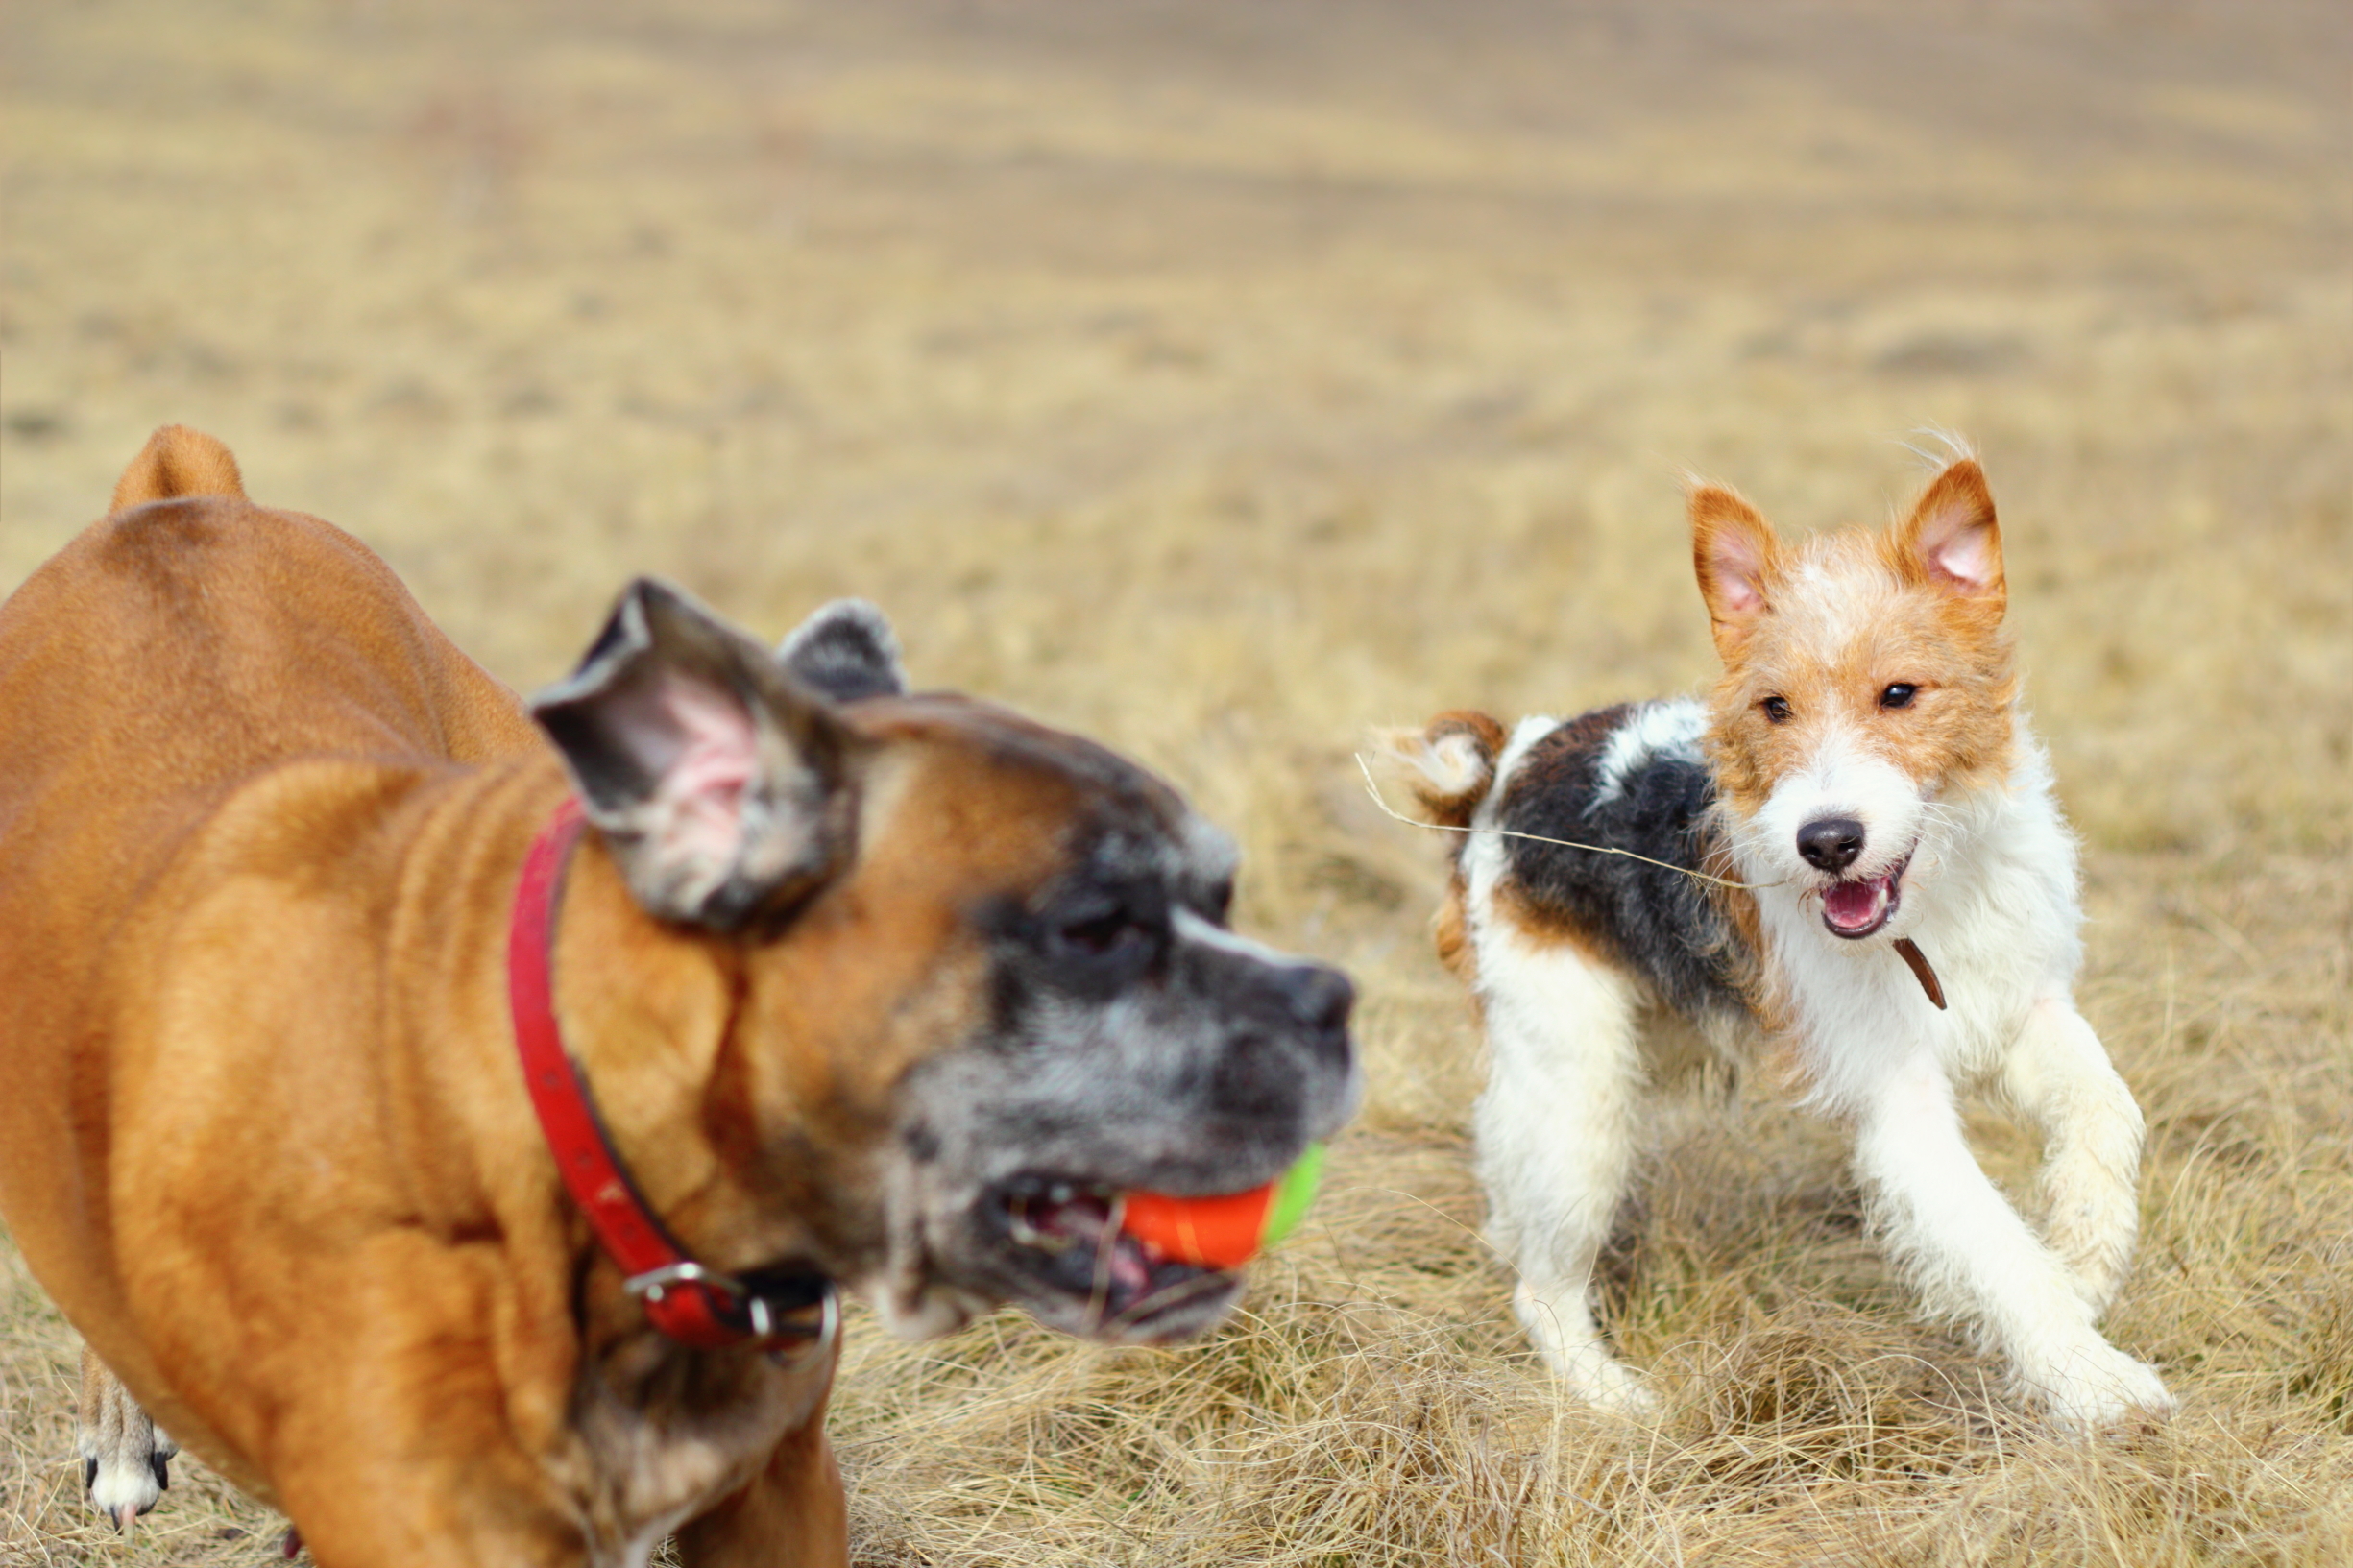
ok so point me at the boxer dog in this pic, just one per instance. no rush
(453, 1127)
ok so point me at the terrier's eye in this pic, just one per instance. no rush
(1898, 695)
(1776, 709)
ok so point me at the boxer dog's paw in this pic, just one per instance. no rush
(124, 1456)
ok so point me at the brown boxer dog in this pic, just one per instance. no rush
(896, 991)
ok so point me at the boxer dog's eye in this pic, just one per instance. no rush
(1222, 901)
(1098, 934)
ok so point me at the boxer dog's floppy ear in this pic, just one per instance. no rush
(847, 651)
(719, 779)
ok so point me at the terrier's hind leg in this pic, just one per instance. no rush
(2059, 1077)
(124, 1456)
(1556, 1132)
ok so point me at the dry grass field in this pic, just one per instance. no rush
(1222, 377)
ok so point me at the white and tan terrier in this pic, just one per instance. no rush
(1897, 909)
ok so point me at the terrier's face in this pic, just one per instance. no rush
(1867, 678)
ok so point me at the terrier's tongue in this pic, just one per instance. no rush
(1855, 905)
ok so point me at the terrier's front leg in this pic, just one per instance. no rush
(2059, 1077)
(1971, 1257)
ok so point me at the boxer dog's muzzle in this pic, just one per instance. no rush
(1132, 1043)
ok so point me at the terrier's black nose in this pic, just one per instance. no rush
(1831, 843)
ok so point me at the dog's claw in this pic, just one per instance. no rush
(163, 1468)
(124, 1516)
(89, 1474)
(292, 1546)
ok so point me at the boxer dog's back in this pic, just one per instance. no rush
(165, 656)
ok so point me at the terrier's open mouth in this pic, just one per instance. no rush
(1854, 909)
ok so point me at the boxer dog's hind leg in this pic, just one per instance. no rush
(126, 1457)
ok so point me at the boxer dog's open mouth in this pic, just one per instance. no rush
(1065, 1240)
(1133, 1044)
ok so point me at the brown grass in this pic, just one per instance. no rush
(1221, 378)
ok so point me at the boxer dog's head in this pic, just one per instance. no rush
(983, 977)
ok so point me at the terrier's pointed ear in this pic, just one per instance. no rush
(719, 782)
(847, 651)
(1952, 539)
(1736, 555)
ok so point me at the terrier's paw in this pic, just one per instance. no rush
(1614, 1389)
(2099, 1389)
(1589, 1374)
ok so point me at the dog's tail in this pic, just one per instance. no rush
(1449, 765)
(178, 461)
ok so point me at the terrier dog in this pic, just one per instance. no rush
(455, 1127)
(1894, 901)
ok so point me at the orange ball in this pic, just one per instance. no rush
(1225, 1230)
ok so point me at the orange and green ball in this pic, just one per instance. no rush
(1229, 1229)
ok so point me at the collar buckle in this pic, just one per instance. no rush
(653, 1285)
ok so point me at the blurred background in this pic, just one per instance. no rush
(1224, 376)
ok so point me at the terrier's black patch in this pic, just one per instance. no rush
(1659, 922)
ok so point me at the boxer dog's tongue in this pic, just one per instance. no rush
(1857, 908)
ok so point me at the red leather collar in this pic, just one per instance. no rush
(765, 1309)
